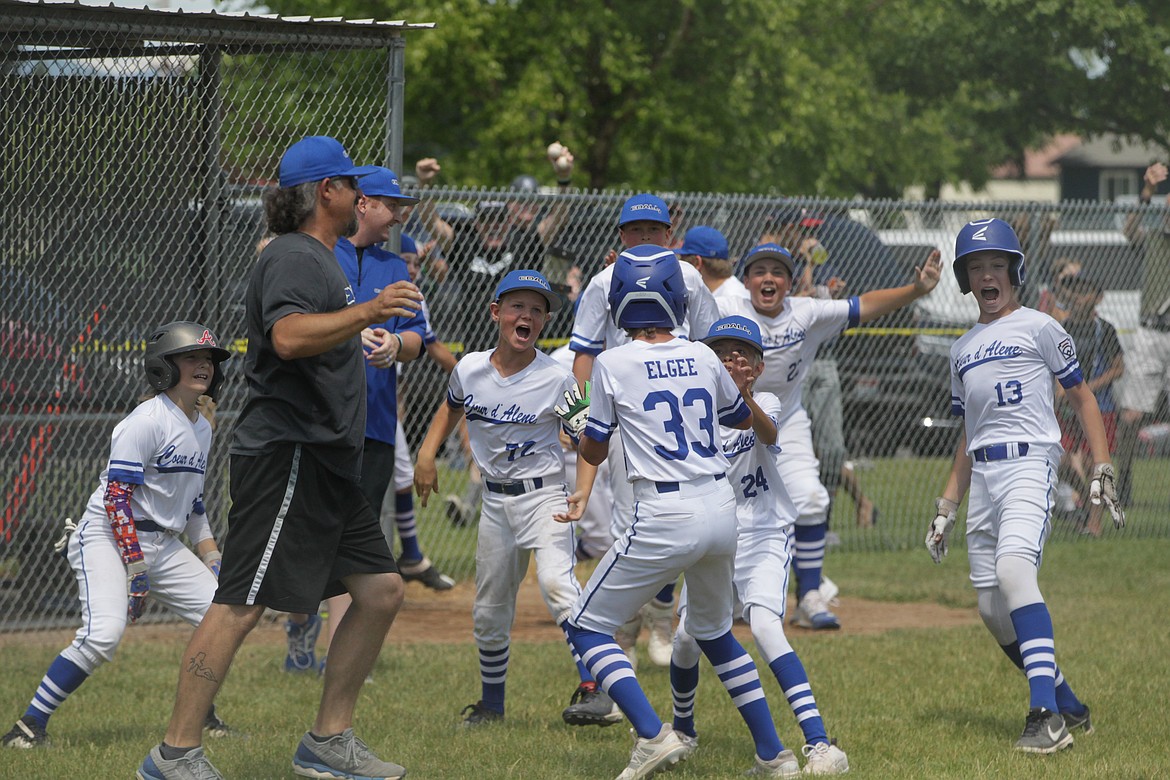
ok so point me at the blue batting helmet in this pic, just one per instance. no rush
(647, 290)
(983, 235)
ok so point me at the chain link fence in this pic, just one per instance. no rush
(131, 176)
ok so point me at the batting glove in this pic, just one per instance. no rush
(575, 412)
(139, 589)
(1104, 488)
(940, 528)
(62, 545)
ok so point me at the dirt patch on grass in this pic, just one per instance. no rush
(445, 618)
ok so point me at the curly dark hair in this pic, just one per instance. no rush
(287, 208)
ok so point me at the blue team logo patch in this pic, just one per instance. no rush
(1067, 350)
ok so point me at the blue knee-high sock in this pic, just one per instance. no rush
(793, 681)
(493, 675)
(1034, 633)
(407, 530)
(666, 595)
(582, 672)
(739, 676)
(808, 557)
(684, 682)
(62, 679)
(613, 672)
(1066, 698)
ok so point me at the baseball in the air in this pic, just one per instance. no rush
(556, 150)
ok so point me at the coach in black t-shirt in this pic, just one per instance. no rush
(300, 529)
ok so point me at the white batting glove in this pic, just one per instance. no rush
(575, 412)
(1104, 488)
(940, 528)
(62, 544)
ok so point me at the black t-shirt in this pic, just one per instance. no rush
(478, 269)
(1097, 345)
(318, 401)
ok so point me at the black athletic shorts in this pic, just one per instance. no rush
(295, 529)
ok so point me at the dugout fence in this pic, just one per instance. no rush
(134, 153)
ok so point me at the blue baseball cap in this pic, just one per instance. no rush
(644, 207)
(406, 245)
(738, 328)
(315, 158)
(705, 242)
(773, 251)
(383, 183)
(530, 280)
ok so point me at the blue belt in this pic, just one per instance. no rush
(995, 452)
(672, 487)
(149, 525)
(513, 488)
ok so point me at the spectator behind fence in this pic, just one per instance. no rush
(299, 528)
(1148, 360)
(502, 236)
(1102, 363)
(1053, 299)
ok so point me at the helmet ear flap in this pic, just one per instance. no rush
(161, 373)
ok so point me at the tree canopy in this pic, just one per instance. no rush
(827, 97)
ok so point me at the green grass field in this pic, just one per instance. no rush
(937, 703)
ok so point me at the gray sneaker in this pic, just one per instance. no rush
(1044, 732)
(192, 765)
(591, 706)
(342, 756)
(1082, 721)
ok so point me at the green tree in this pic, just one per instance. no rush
(832, 97)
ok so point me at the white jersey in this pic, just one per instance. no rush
(1001, 379)
(667, 400)
(732, 289)
(791, 339)
(159, 449)
(761, 499)
(594, 329)
(510, 420)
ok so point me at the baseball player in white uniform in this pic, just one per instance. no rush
(666, 397)
(509, 396)
(765, 515)
(1001, 385)
(793, 327)
(127, 545)
(706, 249)
(644, 220)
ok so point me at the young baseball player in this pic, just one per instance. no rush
(510, 396)
(644, 220)
(1001, 385)
(126, 547)
(765, 516)
(793, 327)
(666, 397)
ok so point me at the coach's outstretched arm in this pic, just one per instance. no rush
(875, 303)
(305, 335)
(426, 475)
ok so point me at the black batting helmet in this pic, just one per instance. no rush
(175, 338)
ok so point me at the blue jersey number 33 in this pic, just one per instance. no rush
(696, 396)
